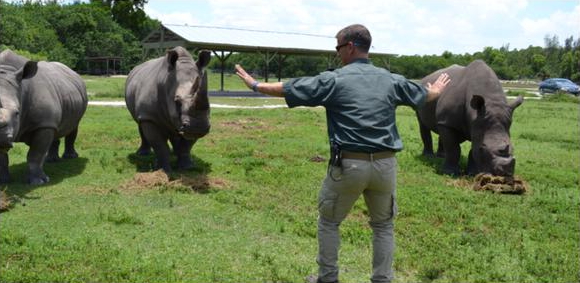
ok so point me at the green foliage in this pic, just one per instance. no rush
(68, 33)
(25, 53)
(259, 225)
(130, 15)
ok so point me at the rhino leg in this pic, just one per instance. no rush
(182, 149)
(52, 155)
(451, 144)
(471, 165)
(145, 148)
(158, 140)
(69, 145)
(39, 145)
(440, 148)
(4, 173)
(426, 138)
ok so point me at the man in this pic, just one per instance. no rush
(360, 102)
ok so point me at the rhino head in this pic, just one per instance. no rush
(188, 92)
(491, 148)
(10, 107)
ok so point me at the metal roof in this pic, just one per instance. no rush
(244, 40)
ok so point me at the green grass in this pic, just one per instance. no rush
(518, 92)
(105, 87)
(113, 88)
(109, 88)
(260, 224)
(561, 96)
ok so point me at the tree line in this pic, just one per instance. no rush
(48, 30)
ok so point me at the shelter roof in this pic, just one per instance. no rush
(244, 40)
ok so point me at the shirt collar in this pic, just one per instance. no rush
(360, 60)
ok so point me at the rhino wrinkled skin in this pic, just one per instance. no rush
(40, 102)
(473, 107)
(167, 97)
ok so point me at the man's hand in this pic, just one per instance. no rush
(248, 80)
(435, 89)
(273, 89)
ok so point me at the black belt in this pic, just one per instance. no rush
(367, 156)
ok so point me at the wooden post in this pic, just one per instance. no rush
(222, 59)
(267, 60)
(281, 59)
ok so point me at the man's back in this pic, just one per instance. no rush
(360, 101)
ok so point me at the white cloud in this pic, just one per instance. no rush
(172, 18)
(401, 26)
(562, 24)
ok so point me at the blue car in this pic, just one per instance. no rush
(553, 85)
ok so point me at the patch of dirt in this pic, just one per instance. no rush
(160, 180)
(500, 184)
(5, 202)
(245, 124)
(317, 158)
(459, 183)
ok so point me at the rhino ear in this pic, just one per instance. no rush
(28, 71)
(519, 100)
(478, 103)
(203, 58)
(171, 56)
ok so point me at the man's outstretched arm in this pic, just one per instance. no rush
(273, 89)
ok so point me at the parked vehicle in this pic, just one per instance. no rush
(556, 84)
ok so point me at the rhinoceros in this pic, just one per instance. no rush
(38, 110)
(473, 107)
(167, 97)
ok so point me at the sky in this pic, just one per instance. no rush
(405, 27)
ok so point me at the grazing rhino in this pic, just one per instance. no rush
(167, 97)
(473, 107)
(38, 110)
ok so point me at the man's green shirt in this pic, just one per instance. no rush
(360, 101)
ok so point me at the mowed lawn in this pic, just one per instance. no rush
(254, 220)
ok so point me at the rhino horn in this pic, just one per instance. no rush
(514, 104)
(201, 99)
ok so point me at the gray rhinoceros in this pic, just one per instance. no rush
(473, 107)
(167, 97)
(47, 105)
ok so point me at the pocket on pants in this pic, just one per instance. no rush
(327, 203)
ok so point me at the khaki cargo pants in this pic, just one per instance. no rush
(376, 181)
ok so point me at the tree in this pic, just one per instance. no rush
(130, 14)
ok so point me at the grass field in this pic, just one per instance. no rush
(254, 219)
(107, 88)
(112, 88)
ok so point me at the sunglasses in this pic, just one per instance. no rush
(338, 47)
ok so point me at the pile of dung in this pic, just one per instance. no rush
(500, 184)
(159, 179)
(150, 179)
(4, 201)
